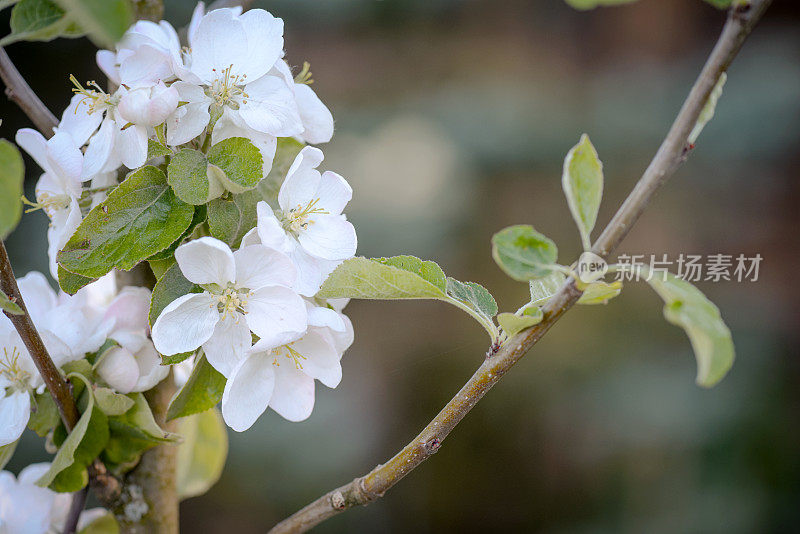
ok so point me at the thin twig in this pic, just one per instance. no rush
(670, 155)
(75, 509)
(18, 90)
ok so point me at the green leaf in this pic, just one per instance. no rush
(687, 307)
(201, 392)
(364, 278)
(188, 175)
(104, 20)
(720, 4)
(104, 524)
(140, 217)
(169, 287)
(231, 218)
(201, 456)
(523, 253)
(240, 162)
(600, 292)
(707, 113)
(582, 181)
(112, 403)
(141, 417)
(199, 217)
(12, 174)
(6, 452)
(44, 417)
(38, 20)
(287, 151)
(71, 283)
(547, 286)
(514, 324)
(9, 306)
(473, 295)
(157, 150)
(67, 471)
(159, 267)
(591, 4)
(132, 433)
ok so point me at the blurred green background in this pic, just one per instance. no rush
(453, 117)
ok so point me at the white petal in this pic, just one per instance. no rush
(33, 472)
(129, 309)
(276, 314)
(264, 41)
(186, 323)
(321, 358)
(35, 145)
(59, 233)
(77, 121)
(270, 108)
(270, 231)
(206, 261)
(107, 61)
(131, 144)
(197, 16)
(39, 297)
(316, 117)
(258, 266)
(119, 370)
(334, 193)
(330, 237)
(151, 372)
(325, 317)
(229, 343)
(248, 391)
(309, 272)
(146, 66)
(15, 410)
(99, 152)
(187, 122)
(64, 157)
(343, 340)
(251, 238)
(302, 180)
(219, 42)
(293, 396)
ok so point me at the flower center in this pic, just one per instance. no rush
(228, 88)
(289, 352)
(299, 217)
(95, 99)
(48, 202)
(10, 368)
(232, 300)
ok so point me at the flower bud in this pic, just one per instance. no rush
(148, 106)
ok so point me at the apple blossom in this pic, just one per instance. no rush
(148, 106)
(309, 226)
(247, 290)
(315, 116)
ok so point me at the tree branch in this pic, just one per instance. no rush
(18, 90)
(75, 509)
(673, 151)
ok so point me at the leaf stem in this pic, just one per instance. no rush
(673, 151)
(488, 325)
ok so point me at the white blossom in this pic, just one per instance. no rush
(247, 290)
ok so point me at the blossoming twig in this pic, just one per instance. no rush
(672, 152)
(18, 90)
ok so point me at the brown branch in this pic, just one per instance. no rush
(670, 155)
(18, 90)
(75, 509)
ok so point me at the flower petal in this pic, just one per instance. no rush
(151, 372)
(331, 237)
(293, 396)
(206, 261)
(99, 152)
(321, 358)
(248, 391)
(119, 369)
(129, 309)
(219, 42)
(229, 343)
(37, 294)
(64, 157)
(270, 231)
(264, 41)
(15, 410)
(34, 144)
(187, 122)
(302, 180)
(325, 317)
(131, 145)
(316, 117)
(258, 266)
(77, 121)
(270, 108)
(186, 323)
(276, 314)
(334, 193)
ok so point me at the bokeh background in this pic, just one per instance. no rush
(453, 117)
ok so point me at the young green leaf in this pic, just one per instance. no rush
(159, 267)
(6, 452)
(687, 307)
(473, 295)
(231, 218)
(71, 283)
(591, 4)
(202, 454)
(157, 150)
(112, 403)
(67, 472)
(385, 278)
(523, 253)
(132, 433)
(199, 217)
(425, 269)
(141, 417)
(104, 20)
(240, 162)
(103, 524)
(171, 285)
(720, 4)
(140, 217)
(285, 154)
(600, 292)
(12, 174)
(187, 174)
(44, 416)
(9, 306)
(38, 20)
(514, 324)
(708, 110)
(547, 286)
(201, 392)
(582, 182)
